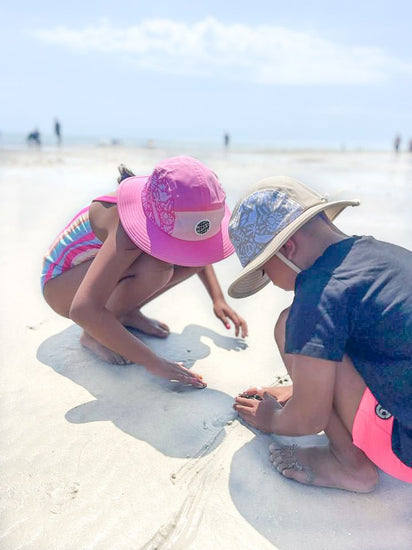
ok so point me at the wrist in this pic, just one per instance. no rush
(274, 422)
(154, 362)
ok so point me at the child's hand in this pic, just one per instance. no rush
(176, 372)
(282, 394)
(223, 311)
(257, 412)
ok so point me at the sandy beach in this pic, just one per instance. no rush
(101, 457)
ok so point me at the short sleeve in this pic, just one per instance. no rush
(318, 323)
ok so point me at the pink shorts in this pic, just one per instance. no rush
(372, 432)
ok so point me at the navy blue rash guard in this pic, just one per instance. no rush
(356, 299)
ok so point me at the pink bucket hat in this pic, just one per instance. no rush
(177, 214)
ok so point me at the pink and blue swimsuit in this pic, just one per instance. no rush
(76, 244)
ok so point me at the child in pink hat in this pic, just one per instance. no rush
(132, 245)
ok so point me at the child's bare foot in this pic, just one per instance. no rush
(280, 393)
(152, 327)
(321, 466)
(101, 351)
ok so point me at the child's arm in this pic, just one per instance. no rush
(89, 310)
(306, 412)
(221, 308)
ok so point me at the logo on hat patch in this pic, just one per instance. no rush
(202, 227)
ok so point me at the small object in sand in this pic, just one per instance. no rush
(252, 396)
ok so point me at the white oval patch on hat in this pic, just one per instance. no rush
(202, 227)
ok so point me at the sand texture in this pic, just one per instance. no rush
(106, 457)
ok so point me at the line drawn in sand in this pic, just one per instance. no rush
(199, 474)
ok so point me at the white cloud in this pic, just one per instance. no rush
(264, 54)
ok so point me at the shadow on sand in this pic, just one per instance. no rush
(291, 515)
(178, 421)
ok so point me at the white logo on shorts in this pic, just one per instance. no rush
(382, 413)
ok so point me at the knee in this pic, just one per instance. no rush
(280, 327)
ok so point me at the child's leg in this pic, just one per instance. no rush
(140, 283)
(340, 464)
(144, 281)
(180, 274)
(146, 278)
(133, 317)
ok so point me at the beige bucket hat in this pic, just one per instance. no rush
(265, 218)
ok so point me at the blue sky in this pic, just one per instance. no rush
(282, 72)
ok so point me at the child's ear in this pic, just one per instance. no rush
(289, 248)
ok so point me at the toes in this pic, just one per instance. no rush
(284, 458)
(119, 360)
(289, 473)
(275, 454)
(161, 330)
(285, 461)
(113, 358)
(278, 463)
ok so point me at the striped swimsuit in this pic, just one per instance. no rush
(74, 245)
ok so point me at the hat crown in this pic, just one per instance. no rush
(265, 212)
(184, 199)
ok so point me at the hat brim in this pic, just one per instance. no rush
(251, 279)
(155, 242)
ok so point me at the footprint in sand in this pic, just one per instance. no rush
(61, 495)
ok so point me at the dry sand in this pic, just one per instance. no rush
(105, 457)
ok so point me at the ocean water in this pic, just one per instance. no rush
(17, 140)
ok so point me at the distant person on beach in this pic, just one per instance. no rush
(410, 145)
(346, 340)
(397, 143)
(132, 245)
(226, 140)
(57, 131)
(34, 138)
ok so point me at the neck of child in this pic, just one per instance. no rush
(311, 245)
